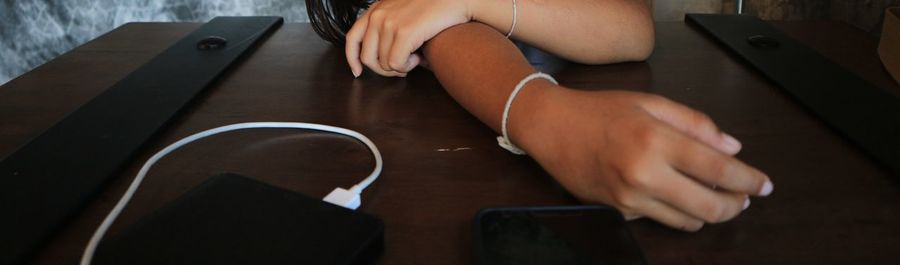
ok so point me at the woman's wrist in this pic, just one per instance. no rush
(495, 13)
(528, 111)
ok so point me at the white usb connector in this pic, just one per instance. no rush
(344, 198)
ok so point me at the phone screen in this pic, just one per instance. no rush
(588, 235)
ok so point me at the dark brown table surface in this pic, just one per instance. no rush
(832, 205)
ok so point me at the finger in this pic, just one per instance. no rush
(694, 123)
(631, 216)
(711, 167)
(401, 57)
(386, 40)
(354, 39)
(669, 216)
(422, 61)
(695, 199)
(411, 62)
(369, 53)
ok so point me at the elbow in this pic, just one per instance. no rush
(640, 46)
(637, 43)
(634, 47)
(632, 39)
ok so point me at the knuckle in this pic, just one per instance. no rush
(634, 170)
(366, 55)
(367, 59)
(720, 170)
(349, 48)
(713, 212)
(701, 118)
(635, 176)
(371, 63)
(384, 64)
(353, 36)
(649, 137)
(692, 226)
(398, 63)
(625, 200)
(376, 15)
(389, 24)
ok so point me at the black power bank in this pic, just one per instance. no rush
(231, 219)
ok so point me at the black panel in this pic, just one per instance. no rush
(865, 114)
(51, 178)
(231, 219)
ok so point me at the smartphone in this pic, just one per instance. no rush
(577, 235)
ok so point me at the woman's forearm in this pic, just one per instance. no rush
(585, 31)
(479, 68)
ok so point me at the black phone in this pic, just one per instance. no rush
(578, 235)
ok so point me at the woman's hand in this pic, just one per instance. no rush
(387, 35)
(644, 154)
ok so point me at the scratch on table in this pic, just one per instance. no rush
(453, 150)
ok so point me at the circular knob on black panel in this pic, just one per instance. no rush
(211, 43)
(763, 42)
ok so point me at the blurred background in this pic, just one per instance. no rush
(35, 31)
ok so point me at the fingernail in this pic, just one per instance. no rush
(766, 188)
(356, 73)
(746, 203)
(731, 142)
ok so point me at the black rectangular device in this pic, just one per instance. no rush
(866, 115)
(559, 235)
(49, 180)
(231, 219)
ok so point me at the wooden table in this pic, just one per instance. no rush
(832, 205)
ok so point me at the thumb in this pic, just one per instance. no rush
(693, 123)
(411, 62)
(422, 61)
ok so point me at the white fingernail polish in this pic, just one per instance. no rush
(746, 203)
(766, 188)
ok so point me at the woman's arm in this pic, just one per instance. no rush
(386, 36)
(584, 31)
(643, 154)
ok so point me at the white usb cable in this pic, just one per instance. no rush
(339, 196)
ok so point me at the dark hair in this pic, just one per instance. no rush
(333, 18)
